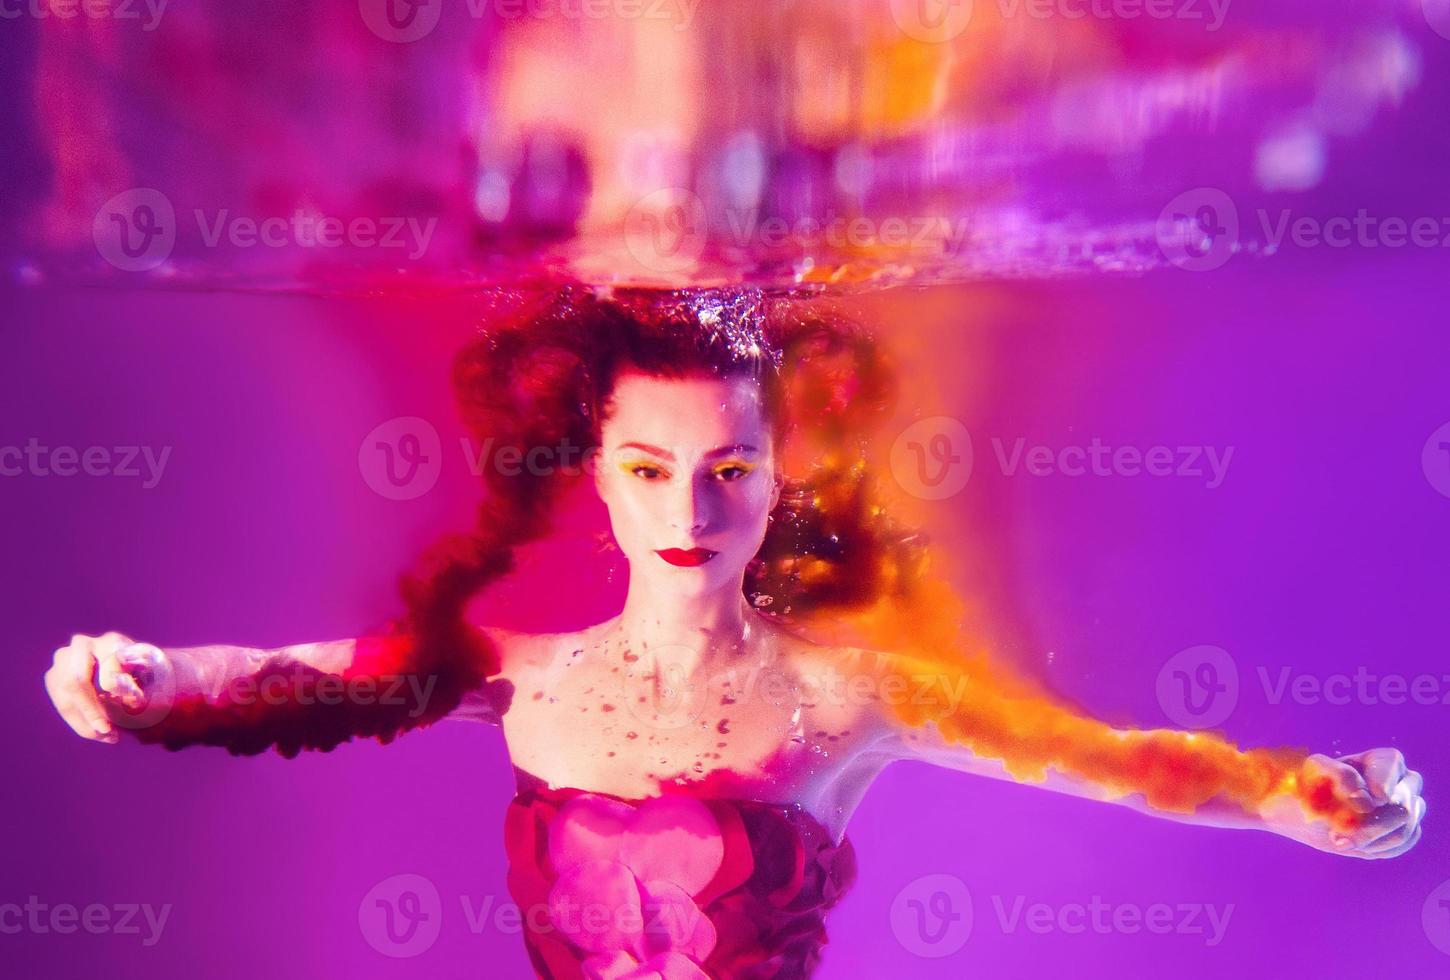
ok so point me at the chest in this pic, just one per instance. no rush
(627, 728)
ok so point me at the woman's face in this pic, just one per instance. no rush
(687, 471)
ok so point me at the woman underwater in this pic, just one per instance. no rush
(688, 767)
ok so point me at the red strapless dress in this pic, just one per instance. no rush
(670, 888)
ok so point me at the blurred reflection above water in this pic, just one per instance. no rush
(673, 143)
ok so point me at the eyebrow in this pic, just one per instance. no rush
(666, 454)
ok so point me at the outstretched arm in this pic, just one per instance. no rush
(962, 717)
(303, 696)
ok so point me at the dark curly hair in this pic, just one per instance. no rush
(538, 379)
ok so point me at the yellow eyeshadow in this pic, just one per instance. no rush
(633, 465)
(747, 467)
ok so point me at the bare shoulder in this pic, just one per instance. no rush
(524, 669)
(523, 654)
(842, 684)
(814, 658)
(904, 696)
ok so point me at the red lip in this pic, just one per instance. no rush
(687, 559)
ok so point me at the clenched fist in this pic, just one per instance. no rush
(1380, 787)
(99, 682)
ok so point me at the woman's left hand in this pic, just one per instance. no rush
(1379, 785)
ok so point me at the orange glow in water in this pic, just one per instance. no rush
(998, 714)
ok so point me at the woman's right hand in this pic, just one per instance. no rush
(91, 682)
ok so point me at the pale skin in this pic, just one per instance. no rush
(689, 686)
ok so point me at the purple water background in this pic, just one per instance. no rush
(1322, 550)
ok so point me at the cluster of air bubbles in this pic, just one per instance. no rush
(734, 319)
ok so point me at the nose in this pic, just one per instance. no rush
(691, 508)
